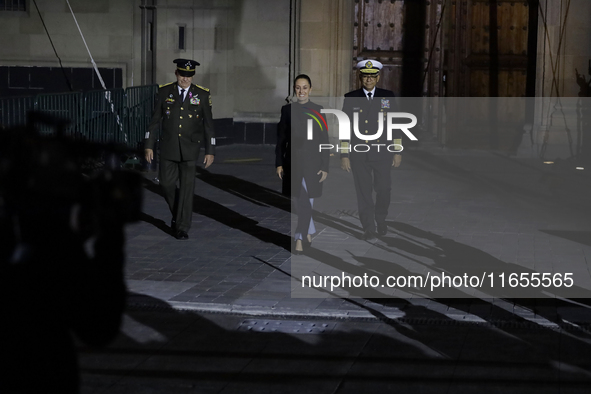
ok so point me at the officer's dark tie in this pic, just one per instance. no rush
(182, 95)
(369, 96)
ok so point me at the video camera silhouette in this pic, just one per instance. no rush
(46, 174)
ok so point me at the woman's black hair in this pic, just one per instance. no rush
(303, 76)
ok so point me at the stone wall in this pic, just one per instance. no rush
(564, 47)
(110, 28)
(564, 44)
(326, 45)
(243, 48)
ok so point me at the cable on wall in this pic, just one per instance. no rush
(53, 46)
(87, 49)
(107, 92)
(291, 24)
(555, 64)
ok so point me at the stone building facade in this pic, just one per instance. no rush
(250, 50)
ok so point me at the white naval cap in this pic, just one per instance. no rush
(369, 66)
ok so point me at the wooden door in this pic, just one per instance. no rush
(454, 48)
(491, 52)
(392, 32)
(491, 49)
(407, 37)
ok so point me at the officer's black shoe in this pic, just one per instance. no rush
(369, 236)
(382, 229)
(181, 235)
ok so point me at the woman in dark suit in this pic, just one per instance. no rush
(299, 162)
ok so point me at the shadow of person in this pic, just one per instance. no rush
(368, 266)
(456, 258)
(503, 317)
(584, 118)
(186, 346)
(158, 223)
(338, 224)
(249, 191)
(141, 330)
(165, 349)
(583, 84)
(216, 353)
(232, 219)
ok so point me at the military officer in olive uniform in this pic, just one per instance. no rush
(371, 168)
(187, 124)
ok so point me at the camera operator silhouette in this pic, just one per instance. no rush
(583, 84)
(51, 287)
(584, 113)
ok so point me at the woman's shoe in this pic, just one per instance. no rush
(307, 241)
(298, 247)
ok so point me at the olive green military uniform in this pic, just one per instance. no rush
(186, 126)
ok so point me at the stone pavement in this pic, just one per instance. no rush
(482, 209)
(173, 351)
(221, 313)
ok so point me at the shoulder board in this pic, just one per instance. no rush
(202, 87)
(166, 84)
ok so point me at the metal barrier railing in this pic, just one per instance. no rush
(115, 115)
(62, 106)
(139, 105)
(13, 111)
(103, 116)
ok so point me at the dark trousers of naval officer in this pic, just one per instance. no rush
(370, 176)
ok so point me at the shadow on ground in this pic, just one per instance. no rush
(162, 350)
